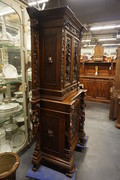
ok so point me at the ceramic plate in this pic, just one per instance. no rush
(8, 106)
(10, 78)
(9, 71)
(18, 93)
(19, 100)
(19, 119)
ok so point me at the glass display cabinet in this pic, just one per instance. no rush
(15, 126)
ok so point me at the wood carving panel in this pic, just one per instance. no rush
(68, 59)
(76, 61)
(62, 58)
(75, 120)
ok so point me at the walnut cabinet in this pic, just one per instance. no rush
(57, 101)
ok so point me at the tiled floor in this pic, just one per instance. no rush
(101, 159)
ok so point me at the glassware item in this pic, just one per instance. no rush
(6, 146)
(2, 135)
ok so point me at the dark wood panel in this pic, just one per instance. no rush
(52, 132)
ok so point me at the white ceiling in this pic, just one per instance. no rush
(90, 11)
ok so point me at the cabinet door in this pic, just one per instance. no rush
(101, 89)
(72, 49)
(52, 133)
(89, 84)
(50, 58)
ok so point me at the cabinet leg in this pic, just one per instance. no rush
(70, 173)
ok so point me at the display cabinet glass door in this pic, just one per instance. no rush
(13, 128)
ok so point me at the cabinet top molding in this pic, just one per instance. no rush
(54, 13)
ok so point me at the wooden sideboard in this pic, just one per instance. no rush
(57, 100)
(97, 78)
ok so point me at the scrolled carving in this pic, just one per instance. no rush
(67, 132)
(69, 26)
(68, 137)
(75, 120)
(75, 61)
(35, 122)
(34, 23)
(35, 58)
(82, 120)
(62, 59)
(68, 59)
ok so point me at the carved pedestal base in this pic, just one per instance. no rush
(60, 164)
(64, 166)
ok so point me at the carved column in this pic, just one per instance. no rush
(82, 119)
(35, 93)
(117, 87)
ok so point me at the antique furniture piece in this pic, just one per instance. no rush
(98, 53)
(9, 163)
(97, 78)
(57, 101)
(115, 94)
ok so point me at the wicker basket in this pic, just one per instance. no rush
(9, 162)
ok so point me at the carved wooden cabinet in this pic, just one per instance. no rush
(57, 101)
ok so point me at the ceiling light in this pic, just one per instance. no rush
(37, 2)
(109, 39)
(7, 11)
(43, 6)
(86, 40)
(98, 28)
(110, 44)
(90, 45)
(118, 35)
